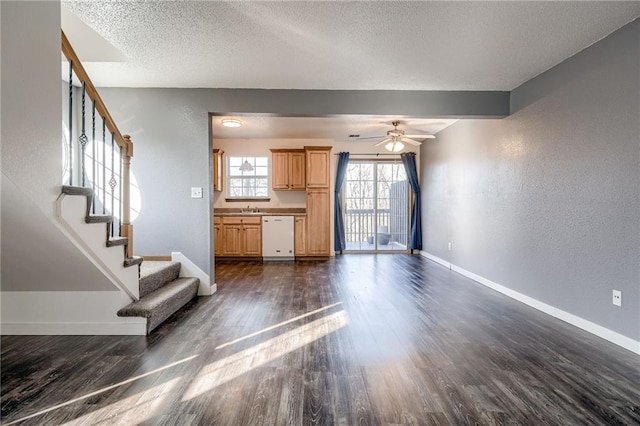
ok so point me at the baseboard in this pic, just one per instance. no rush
(435, 259)
(157, 258)
(67, 313)
(190, 269)
(591, 327)
(75, 329)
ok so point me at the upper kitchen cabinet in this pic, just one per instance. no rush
(318, 161)
(288, 169)
(218, 168)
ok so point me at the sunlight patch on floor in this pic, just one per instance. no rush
(233, 366)
(273, 327)
(99, 391)
(134, 409)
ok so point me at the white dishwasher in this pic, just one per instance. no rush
(277, 238)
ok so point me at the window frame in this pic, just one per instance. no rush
(229, 177)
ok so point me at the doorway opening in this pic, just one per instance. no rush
(376, 206)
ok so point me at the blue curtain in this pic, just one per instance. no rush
(409, 162)
(339, 241)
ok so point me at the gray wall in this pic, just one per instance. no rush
(36, 256)
(170, 133)
(547, 201)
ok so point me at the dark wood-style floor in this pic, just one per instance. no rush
(360, 339)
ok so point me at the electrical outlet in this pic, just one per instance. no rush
(450, 246)
(617, 297)
(196, 192)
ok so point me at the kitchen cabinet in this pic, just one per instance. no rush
(218, 169)
(241, 236)
(300, 236)
(288, 169)
(217, 236)
(318, 223)
(318, 159)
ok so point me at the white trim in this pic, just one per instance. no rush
(190, 269)
(593, 328)
(73, 329)
(435, 259)
(67, 313)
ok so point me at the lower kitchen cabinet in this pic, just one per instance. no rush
(300, 236)
(240, 236)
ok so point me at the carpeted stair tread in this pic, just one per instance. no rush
(160, 304)
(77, 190)
(130, 261)
(117, 241)
(155, 274)
(98, 218)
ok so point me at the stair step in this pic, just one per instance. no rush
(77, 190)
(155, 274)
(99, 218)
(130, 261)
(117, 241)
(160, 304)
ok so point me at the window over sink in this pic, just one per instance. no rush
(248, 177)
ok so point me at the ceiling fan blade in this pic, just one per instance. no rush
(383, 142)
(411, 141)
(420, 136)
(372, 137)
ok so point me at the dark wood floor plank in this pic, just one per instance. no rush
(359, 339)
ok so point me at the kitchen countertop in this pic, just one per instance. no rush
(261, 212)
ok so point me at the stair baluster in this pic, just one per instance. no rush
(120, 193)
(83, 135)
(94, 157)
(70, 122)
(112, 184)
(104, 167)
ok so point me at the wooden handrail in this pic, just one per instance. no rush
(91, 91)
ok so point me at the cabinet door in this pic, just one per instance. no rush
(300, 236)
(297, 166)
(217, 240)
(218, 168)
(280, 170)
(252, 240)
(318, 161)
(318, 223)
(231, 245)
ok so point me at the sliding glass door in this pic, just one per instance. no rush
(376, 210)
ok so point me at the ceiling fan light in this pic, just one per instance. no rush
(230, 122)
(394, 146)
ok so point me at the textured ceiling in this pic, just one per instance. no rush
(343, 45)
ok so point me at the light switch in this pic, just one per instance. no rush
(196, 192)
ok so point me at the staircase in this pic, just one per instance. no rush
(161, 291)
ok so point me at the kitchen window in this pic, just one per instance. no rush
(248, 177)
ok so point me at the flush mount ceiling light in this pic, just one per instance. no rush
(231, 122)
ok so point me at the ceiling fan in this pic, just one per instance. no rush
(393, 141)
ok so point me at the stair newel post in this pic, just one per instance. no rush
(126, 228)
